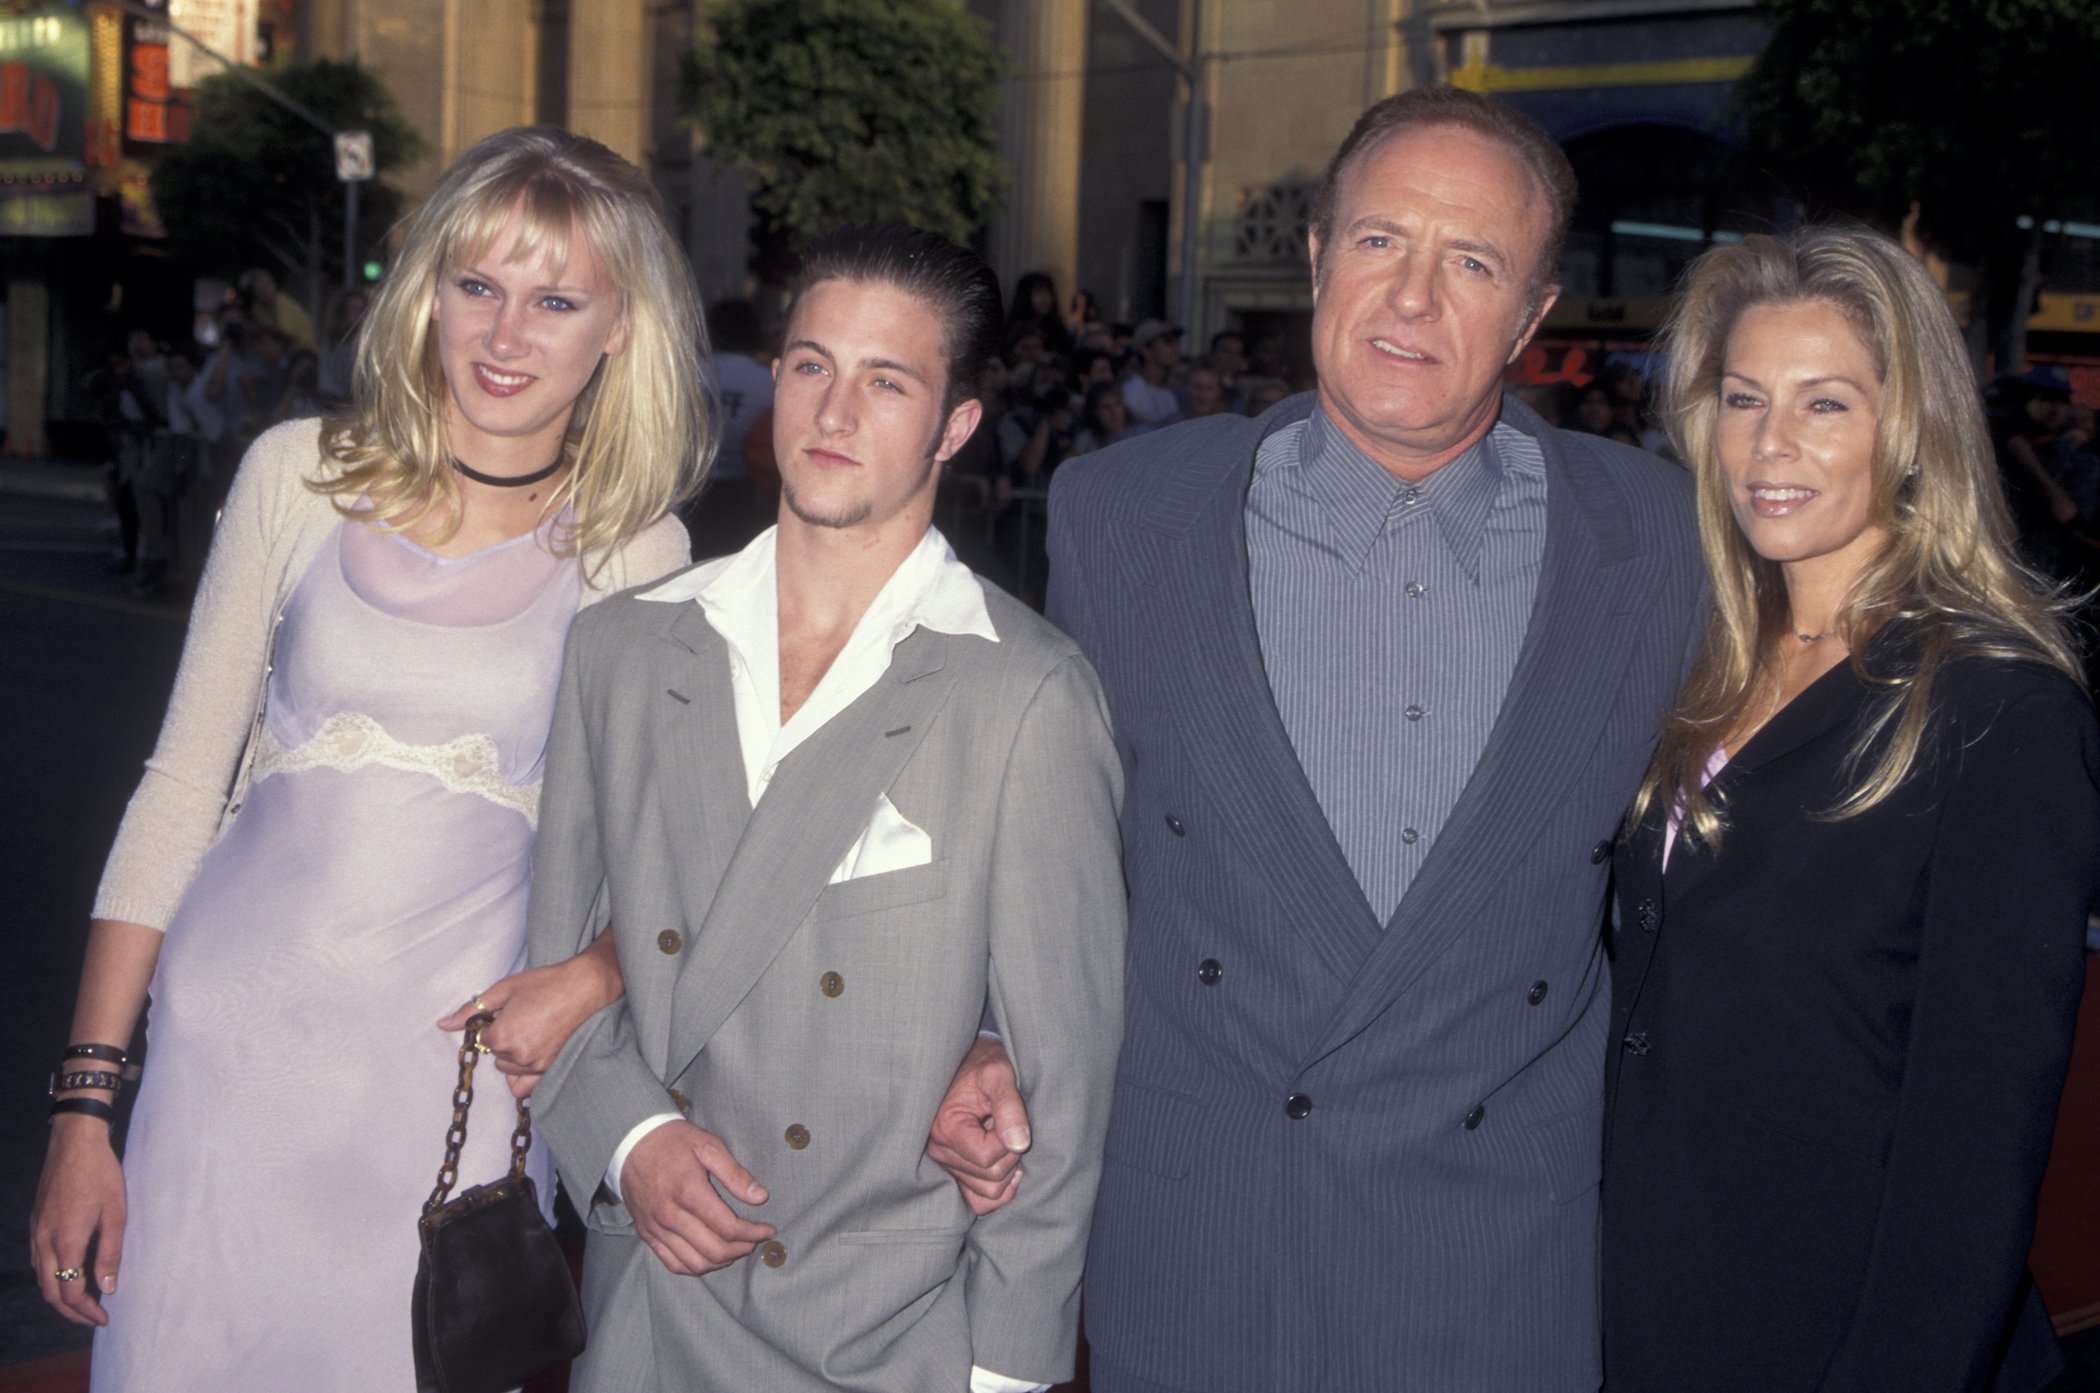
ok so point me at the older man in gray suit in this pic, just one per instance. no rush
(834, 794)
(1385, 666)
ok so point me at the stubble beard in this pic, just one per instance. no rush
(852, 516)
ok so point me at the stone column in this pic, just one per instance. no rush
(609, 75)
(1040, 127)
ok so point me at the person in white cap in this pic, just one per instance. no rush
(1152, 402)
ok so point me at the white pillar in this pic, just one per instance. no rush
(1040, 125)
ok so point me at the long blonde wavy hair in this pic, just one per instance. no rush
(1947, 571)
(642, 431)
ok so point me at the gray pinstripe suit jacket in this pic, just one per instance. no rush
(814, 1027)
(1430, 1223)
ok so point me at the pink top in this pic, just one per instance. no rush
(1715, 763)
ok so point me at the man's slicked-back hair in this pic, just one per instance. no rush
(952, 279)
(1426, 107)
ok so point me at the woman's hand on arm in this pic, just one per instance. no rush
(538, 1009)
(80, 1197)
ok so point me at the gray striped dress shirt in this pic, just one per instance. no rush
(1390, 615)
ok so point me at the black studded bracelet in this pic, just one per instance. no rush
(86, 1078)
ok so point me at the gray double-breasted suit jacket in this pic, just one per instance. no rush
(814, 1027)
(1349, 1154)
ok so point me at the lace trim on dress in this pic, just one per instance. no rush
(352, 740)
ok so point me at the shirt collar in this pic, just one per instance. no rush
(1363, 500)
(740, 597)
(930, 589)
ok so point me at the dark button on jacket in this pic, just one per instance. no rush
(1209, 971)
(1297, 1107)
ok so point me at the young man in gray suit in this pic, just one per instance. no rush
(834, 795)
(1385, 665)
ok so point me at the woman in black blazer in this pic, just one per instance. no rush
(1852, 896)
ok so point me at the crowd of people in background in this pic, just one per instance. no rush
(177, 418)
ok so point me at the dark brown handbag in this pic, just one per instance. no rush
(494, 1303)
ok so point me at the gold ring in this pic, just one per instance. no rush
(69, 1274)
(479, 1004)
(483, 1048)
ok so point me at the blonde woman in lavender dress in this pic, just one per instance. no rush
(331, 848)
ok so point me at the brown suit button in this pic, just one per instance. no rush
(797, 1137)
(669, 941)
(679, 1099)
(831, 984)
(772, 1255)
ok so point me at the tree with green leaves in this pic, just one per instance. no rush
(1976, 115)
(851, 110)
(255, 185)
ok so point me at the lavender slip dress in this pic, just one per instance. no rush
(297, 1091)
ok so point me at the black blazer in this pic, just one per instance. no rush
(1840, 1046)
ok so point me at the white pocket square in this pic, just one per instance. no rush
(888, 843)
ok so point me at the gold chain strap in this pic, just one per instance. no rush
(462, 1099)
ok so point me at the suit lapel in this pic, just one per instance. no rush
(1572, 661)
(701, 773)
(1260, 793)
(818, 803)
(1831, 701)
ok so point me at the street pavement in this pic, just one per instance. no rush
(84, 673)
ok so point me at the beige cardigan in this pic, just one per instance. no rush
(197, 777)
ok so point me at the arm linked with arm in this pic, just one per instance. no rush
(599, 1086)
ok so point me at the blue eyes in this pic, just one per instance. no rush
(1743, 401)
(478, 289)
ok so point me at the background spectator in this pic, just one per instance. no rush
(266, 305)
(1151, 400)
(1204, 392)
(732, 509)
(1035, 305)
(342, 346)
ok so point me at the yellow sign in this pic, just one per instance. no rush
(1479, 75)
(2067, 313)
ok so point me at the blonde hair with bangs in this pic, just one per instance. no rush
(642, 431)
(1948, 570)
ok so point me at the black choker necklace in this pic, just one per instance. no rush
(507, 481)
